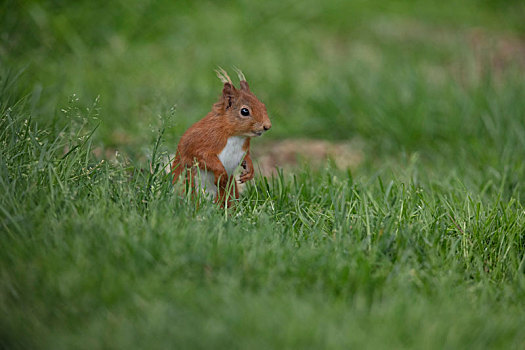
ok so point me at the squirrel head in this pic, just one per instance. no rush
(243, 110)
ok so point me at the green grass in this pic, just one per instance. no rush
(420, 246)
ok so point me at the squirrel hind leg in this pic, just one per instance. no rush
(205, 183)
(177, 168)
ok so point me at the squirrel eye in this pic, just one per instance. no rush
(245, 112)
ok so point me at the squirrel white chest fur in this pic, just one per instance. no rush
(232, 154)
(230, 157)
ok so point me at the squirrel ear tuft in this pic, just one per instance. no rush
(223, 76)
(242, 79)
(244, 85)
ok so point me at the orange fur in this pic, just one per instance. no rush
(204, 141)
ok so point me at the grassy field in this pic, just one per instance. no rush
(420, 245)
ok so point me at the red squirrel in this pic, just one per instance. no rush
(215, 146)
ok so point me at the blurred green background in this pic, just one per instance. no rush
(401, 75)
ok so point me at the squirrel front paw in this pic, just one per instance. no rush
(246, 174)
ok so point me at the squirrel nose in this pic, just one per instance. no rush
(267, 127)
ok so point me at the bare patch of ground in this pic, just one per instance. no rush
(290, 153)
(105, 153)
(496, 52)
